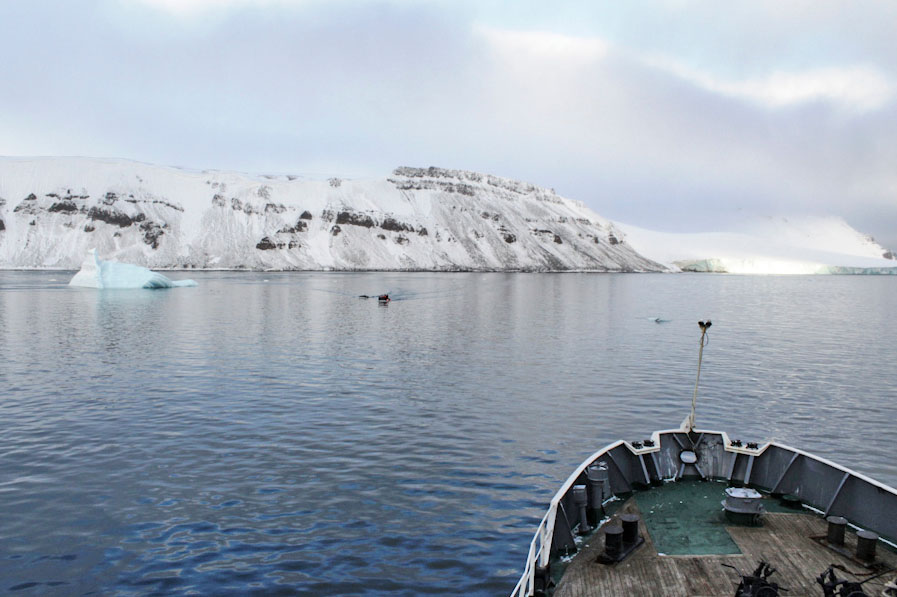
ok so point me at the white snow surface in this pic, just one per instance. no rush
(53, 210)
(96, 273)
(767, 245)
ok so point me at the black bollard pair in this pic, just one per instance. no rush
(620, 540)
(866, 540)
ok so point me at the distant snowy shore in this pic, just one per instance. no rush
(53, 210)
(808, 245)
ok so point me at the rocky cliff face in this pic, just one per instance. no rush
(52, 210)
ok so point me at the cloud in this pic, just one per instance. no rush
(189, 8)
(855, 88)
(524, 48)
(660, 114)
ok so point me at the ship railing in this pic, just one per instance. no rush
(540, 547)
(526, 585)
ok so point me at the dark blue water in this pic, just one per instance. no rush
(275, 434)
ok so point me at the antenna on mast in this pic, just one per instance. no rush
(704, 325)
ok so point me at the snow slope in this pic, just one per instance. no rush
(810, 245)
(53, 210)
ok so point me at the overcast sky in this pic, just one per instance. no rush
(673, 115)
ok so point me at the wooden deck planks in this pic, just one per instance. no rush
(783, 541)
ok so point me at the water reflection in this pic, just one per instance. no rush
(275, 433)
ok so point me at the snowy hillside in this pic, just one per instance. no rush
(811, 245)
(53, 210)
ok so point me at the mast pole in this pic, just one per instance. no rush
(694, 399)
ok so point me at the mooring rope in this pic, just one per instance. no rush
(705, 340)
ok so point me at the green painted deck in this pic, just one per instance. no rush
(698, 529)
(685, 522)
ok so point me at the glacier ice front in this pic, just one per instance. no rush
(96, 273)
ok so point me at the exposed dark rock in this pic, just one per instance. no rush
(422, 232)
(277, 208)
(889, 255)
(152, 232)
(335, 230)
(416, 178)
(165, 203)
(354, 219)
(89, 228)
(110, 198)
(32, 223)
(436, 185)
(327, 215)
(300, 226)
(510, 238)
(110, 217)
(305, 216)
(381, 236)
(266, 244)
(335, 182)
(2, 225)
(613, 239)
(31, 197)
(558, 240)
(402, 240)
(294, 244)
(396, 226)
(63, 206)
(218, 200)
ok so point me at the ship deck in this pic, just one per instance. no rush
(687, 540)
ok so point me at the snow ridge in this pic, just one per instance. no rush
(53, 210)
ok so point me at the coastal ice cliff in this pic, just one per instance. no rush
(769, 245)
(52, 210)
(96, 273)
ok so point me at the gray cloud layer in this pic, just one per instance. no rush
(676, 115)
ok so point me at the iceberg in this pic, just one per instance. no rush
(96, 273)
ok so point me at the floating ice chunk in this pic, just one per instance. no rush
(96, 273)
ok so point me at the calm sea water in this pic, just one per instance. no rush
(275, 434)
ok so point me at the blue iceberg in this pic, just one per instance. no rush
(96, 273)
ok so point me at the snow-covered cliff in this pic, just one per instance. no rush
(53, 210)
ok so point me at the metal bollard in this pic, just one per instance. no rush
(630, 528)
(866, 541)
(613, 541)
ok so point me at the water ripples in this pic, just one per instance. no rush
(286, 437)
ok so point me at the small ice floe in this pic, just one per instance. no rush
(96, 273)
